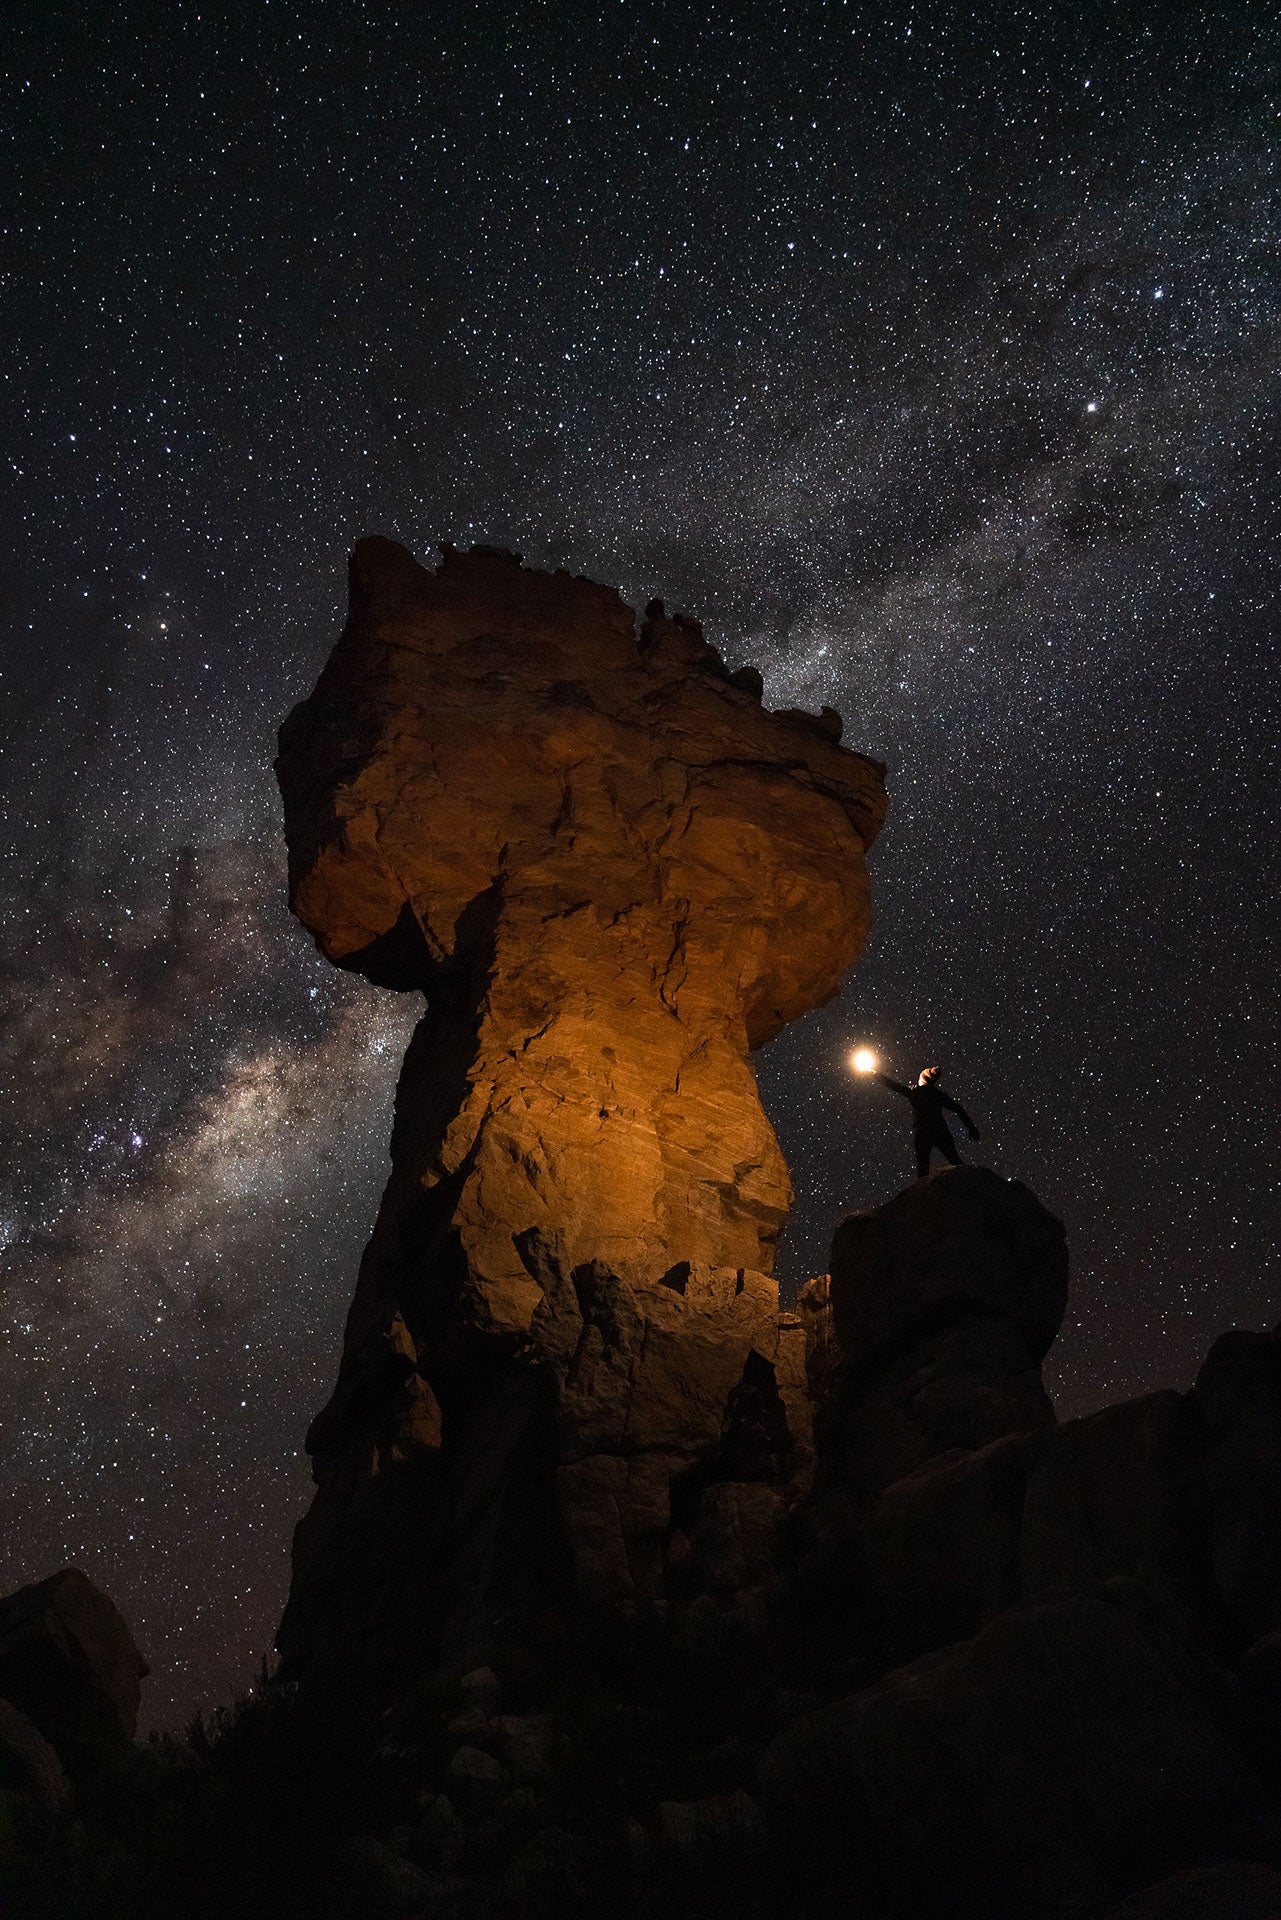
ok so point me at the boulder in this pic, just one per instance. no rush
(941, 1548)
(646, 1379)
(1239, 1387)
(1110, 1495)
(29, 1766)
(69, 1664)
(1239, 1890)
(528, 1747)
(725, 1827)
(737, 1534)
(476, 1779)
(1033, 1771)
(480, 1691)
(962, 1242)
(613, 874)
(965, 1384)
(1238, 1391)
(372, 1879)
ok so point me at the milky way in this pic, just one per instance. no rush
(928, 356)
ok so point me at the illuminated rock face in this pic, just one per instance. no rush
(613, 874)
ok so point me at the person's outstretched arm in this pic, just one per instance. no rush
(954, 1106)
(895, 1086)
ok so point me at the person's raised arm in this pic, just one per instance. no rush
(954, 1106)
(895, 1086)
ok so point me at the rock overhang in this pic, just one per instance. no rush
(489, 724)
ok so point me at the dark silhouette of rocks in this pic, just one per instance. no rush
(613, 873)
(69, 1664)
(624, 1592)
(985, 1776)
(964, 1242)
(1232, 1892)
(941, 1305)
(70, 1686)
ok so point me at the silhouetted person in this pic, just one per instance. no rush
(929, 1128)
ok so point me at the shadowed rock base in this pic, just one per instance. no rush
(1020, 1674)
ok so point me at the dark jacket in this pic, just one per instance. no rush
(928, 1106)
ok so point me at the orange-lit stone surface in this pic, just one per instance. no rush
(613, 874)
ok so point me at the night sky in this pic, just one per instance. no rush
(929, 356)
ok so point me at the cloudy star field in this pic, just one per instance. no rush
(928, 355)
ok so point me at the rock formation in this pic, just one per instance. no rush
(613, 874)
(1073, 1632)
(622, 1592)
(981, 1666)
(942, 1305)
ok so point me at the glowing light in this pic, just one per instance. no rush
(863, 1060)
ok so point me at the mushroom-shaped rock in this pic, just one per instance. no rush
(613, 873)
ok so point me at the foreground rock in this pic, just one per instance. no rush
(613, 874)
(963, 1242)
(1235, 1891)
(68, 1664)
(940, 1308)
(1029, 1771)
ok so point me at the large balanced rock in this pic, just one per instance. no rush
(613, 874)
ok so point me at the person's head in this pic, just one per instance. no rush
(928, 1076)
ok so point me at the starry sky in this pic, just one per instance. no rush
(927, 354)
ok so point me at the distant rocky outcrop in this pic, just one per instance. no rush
(613, 874)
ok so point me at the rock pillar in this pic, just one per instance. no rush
(613, 874)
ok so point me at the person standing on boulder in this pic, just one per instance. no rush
(929, 1128)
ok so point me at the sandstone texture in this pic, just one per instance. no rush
(613, 874)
